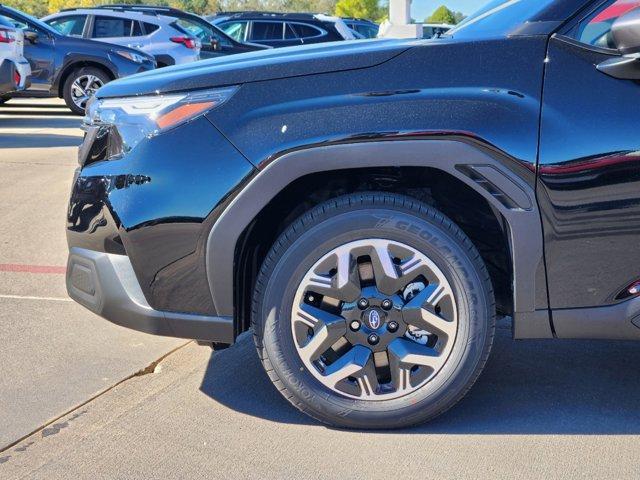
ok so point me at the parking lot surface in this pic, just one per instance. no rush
(72, 406)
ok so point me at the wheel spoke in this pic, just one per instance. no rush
(328, 329)
(90, 81)
(387, 275)
(420, 312)
(350, 364)
(367, 380)
(344, 284)
(405, 354)
(77, 89)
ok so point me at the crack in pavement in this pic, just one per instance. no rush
(52, 427)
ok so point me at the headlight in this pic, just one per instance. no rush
(136, 118)
(134, 57)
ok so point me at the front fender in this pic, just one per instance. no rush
(505, 184)
(73, 58)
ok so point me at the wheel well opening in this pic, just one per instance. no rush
(482, 223)
(74, 66)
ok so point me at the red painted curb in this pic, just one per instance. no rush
(16, 267)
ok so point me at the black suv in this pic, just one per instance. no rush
(72, 68)
(369, 208)
(281, 29)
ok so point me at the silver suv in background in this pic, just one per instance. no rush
(14, 68)
(158, 35)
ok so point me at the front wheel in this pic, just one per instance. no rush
(81, 85)
(373, 310)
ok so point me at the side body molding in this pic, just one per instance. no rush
(478, 167)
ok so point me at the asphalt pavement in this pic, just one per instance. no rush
(107, 403)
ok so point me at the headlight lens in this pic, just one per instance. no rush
(136, 118)
(134, 57)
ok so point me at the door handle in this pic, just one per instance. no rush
(624, 67)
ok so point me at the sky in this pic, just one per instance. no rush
(423, 8)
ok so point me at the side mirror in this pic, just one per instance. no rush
(626, 32)
(31, 36)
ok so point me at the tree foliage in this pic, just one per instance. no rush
(357, 8)
(441, 15)
(369, 9)
(459, 16)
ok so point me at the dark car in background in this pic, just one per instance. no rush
(214, 41)
(368, 209)
(282, 29)
(72, 68)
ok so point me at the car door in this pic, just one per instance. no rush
(589, 162)
(39, 47)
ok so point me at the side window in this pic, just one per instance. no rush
(289, 32)
(306, 31)
(149, 28)
(236, 30)
(596, 29)
(367, 31)
(202, 31)
(267, 31)
(110, 27)
(222, 39)
(72, 25)
(136, 29)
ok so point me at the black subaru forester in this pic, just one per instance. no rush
(368, 208)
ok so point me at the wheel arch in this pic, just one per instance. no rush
(80, 62)
(505, 185)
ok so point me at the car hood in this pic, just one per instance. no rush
(258, 66)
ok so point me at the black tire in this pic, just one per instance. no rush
(355, 217)
(4, 99)
(66, 89)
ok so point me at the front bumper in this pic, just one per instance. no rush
(106, 284)
(137, 229)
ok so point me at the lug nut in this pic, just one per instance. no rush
(373, 339)
(392, 326)
(363, 303)
(355, 325)
(387, 304)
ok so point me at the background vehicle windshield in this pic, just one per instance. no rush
(498, 17)
(30, 19)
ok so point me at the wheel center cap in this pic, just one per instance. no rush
(373, 318)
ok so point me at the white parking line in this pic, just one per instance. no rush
(27, 297)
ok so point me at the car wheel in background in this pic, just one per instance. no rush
(81, 85)
(373, 310)
(4, 99)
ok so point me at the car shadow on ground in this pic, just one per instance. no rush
(528, 387)
(38, 125)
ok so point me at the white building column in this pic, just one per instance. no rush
(400, 25)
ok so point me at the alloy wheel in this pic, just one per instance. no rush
(374, 319)
(83, 88)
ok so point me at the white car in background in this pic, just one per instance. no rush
(14, 68)
(157, 35)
